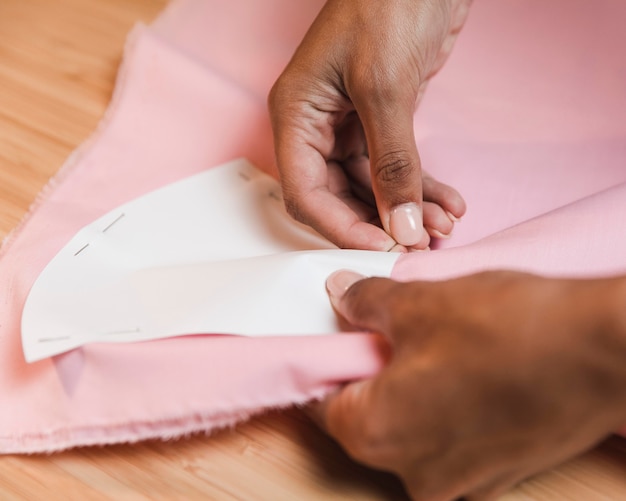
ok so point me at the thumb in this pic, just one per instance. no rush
(347, 414)
(363, 302)
(395, 165)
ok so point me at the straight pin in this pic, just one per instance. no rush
(81, 249)
(109, 226)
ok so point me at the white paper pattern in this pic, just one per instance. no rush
(211, 254)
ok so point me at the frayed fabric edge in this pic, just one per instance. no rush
(133, 432)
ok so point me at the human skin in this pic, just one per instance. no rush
(493, 377)
(342, 117)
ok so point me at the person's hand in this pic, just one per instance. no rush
(342, 116)
(493, 378)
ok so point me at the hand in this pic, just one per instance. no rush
(342, 115)
(493, 377)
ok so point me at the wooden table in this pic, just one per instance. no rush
(58, 60)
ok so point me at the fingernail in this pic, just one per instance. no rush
(438, 234)
(405, 224)
(452, 217)
(340, 281)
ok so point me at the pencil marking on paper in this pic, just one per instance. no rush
(275, 196)
(52, 339)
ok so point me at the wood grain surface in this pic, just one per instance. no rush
(58, 60)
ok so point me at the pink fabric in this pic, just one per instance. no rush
(527, 120)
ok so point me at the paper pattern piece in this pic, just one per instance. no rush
(530, 130)
(215, 253)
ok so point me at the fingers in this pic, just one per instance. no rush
(437, 222)
(344, 219)
(340, 223)
(304, 139)
(444, 196)
(443, 206)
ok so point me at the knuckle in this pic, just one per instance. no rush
(394, 167)
(377, 82)
(287, 90)
(276, 98)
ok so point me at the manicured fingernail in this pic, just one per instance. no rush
(405, 224)
(413, 249)
(438, 234)
(452, 217)
(340, 281)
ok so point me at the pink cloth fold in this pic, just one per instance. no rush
(526, 121)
